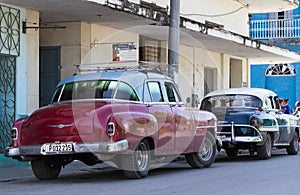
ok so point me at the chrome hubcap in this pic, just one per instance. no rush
(142, 157)
(207, 150)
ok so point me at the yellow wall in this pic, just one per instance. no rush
(69, 40)
(92, 43)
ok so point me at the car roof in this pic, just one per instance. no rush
(132, 77)
(258, 92)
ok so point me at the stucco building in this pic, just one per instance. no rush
(41, 40)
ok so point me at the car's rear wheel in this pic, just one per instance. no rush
(232, 152)
(265, 151)
(136, 166)
(206, 156)
(293, 148)
(44, 170)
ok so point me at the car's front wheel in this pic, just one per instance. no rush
(293, 148)
(44, 170)
(265, 151)
(206, 156)
(136, 166)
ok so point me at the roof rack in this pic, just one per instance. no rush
(114, 66)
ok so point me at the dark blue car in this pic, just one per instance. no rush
(250, 118)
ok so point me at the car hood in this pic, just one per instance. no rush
(61, 119)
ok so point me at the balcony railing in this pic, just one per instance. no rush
(275, 29)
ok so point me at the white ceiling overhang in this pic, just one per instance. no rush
(267, 6)
(192, 33)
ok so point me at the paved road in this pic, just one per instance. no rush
(242, 175)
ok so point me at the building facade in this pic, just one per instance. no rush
(39, 46)
(281, 29)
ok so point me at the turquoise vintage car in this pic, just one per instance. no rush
(250, 118)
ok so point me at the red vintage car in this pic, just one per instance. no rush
(129, 116)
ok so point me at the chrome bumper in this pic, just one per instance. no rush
(97, 148)
(242, 139)
(232, 138)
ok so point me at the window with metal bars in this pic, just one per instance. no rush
(280, 69)
(7, 98)
(149, 50)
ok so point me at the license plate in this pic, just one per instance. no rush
(57, 148)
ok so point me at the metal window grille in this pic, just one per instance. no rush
(9, 31)
(7, 98)
(149, 50)
(280, 69)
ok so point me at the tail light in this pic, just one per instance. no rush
(260, 109)
(110, 129)
(14, 133)
(113, 130)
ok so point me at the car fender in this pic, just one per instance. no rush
(204, 121)
(18, 125)
(137, 126)
(265, 122)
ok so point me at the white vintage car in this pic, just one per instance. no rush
(250, 118)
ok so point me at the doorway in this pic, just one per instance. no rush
(49, 73)
(235, 73)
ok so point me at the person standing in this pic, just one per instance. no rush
(285, 107)
(297, 109)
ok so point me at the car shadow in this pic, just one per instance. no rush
(245, 156)
(90, 174)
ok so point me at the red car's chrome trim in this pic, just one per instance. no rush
(60, 126)
(97, 148)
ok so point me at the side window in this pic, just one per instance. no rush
(155, 92)
(276, 102)
(171, 92)
(125, 92)
(268, 102)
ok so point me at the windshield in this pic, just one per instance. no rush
(231, 101)
(101, 89)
